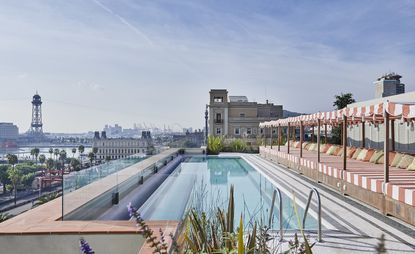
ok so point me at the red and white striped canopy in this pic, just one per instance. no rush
(369, 113)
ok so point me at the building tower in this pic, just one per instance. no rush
(36, 125)
(388, 85)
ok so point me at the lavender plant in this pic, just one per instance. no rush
(159, 246)
(84, 246)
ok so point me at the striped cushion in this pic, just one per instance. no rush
(350, 152)
(362, 155)
(339, 151)
(405, 161)
(369, 154)
(412, 165)
(358, 150)
(376, 156)
(396, 160)
(324, 148)
(331, 150)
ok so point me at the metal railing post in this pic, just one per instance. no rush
(315, 191)
(277, 191)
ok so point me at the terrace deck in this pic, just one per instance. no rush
(363, 175)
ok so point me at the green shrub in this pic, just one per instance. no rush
(238, 145)
(215, 145)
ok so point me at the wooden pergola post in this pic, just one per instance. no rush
(325, 133)
(386, 148)
(279, 136)
(344, 139)
(271, 137)
(318, 140)
(265, 136)
(341, 133)
(288, 138)
(363, 135)
(312, 133)
(301, 138)
(392, 127)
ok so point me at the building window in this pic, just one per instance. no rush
(248, 131)
(217, 99)
(218, 118)
(255, 131)
(237, 131)
(242, 115)
(262, 131)
(218, 131)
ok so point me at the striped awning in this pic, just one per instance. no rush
(372, 113)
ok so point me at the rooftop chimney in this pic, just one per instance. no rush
(103, 134)
(96, 135)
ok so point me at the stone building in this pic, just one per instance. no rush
(236, 117)
(118, 148)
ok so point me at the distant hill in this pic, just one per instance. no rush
(287, 113)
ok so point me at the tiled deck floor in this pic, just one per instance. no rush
(364, 174)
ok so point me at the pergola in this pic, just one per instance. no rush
(382, 113)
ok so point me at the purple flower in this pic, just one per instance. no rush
(131, 209)
(84, 246)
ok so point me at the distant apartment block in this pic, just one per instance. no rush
(118, 148)
(8, 131)
(388, 85)
(235, 116)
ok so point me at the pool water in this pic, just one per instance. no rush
(203, 183)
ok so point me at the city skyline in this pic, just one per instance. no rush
(98, 62)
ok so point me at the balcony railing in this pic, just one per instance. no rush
(218, 120)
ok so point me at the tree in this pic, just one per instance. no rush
(36, 152)
(15, 177)
(81, 150)
(341, 101)
(73, 152)
(4, 177)
(107, 158)
(91, 157)
(50, 152)
(32, 153)
(50, 163)
(56, 153)
(62, 157)
(42, 158)
(75, 164)
(11, 159)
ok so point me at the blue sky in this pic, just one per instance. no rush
(99, 61)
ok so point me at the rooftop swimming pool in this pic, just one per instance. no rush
(203, 183)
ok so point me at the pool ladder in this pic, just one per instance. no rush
(310, 196)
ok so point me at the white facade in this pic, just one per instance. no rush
(118, 148)
(8, 131)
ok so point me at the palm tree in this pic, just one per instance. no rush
(95, 151)
(32, 153)
(4, 216)
(44, 199)
(81, 150)
(50, 152)
(62, 157)
(56, 153)
(36, 153)
(50, 163)
(11, 159)
(73, 152)
(42, 158)
(15, 176)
